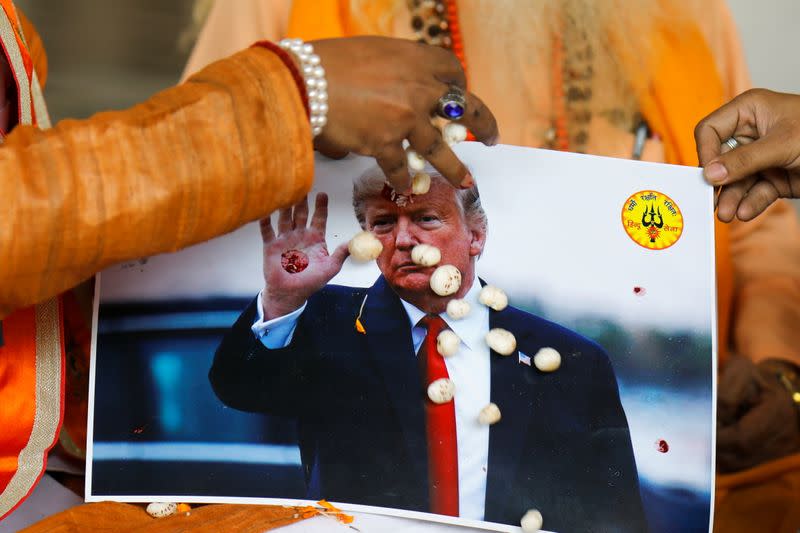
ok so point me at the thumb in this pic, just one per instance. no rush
(771, 151)
(340, 254)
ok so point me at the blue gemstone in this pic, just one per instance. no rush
(453, 110)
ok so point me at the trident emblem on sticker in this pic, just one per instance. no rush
(652, 220)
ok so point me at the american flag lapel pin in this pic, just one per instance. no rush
(524, 359)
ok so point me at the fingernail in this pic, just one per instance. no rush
(715, 173)
(494, 140)
(468, 182)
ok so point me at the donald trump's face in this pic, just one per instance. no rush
(435, 218)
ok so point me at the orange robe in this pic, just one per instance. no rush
(193, 162)
(699, 68)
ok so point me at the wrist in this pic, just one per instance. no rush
(276, 307)
(788, 375)
(293, 65)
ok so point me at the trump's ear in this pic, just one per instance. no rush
(477, 242)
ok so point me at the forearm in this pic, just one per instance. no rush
(193, 162)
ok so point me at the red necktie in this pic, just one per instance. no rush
(440, 425)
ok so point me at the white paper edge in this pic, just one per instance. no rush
(714, 360)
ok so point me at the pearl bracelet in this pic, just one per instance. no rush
(314, 77)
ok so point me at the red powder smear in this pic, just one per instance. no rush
(662, 446)
(294, 261)
(639, 291)
(138, 431)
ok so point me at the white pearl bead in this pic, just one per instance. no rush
(319, 72)
(457, 309)
(501, 341)
(415, 161)
(426, 255)
(308, 71)
(314, 59)
(308, 49)
(493, 297)
(454, 133)
(322, 121)
(547, 359)
(314, 108)
(323, 108)
(531, 522)
(441, 391)
(311, 83)
(315, 121)
(316, 130)
(446, 280)
(364, 246)
(160, 510)
(285, 44)
(322, 96)
(447, 343)
(312, 94)
(302, 57)
(489, 415)
(295, 48)
(420, 184)
(322, 83)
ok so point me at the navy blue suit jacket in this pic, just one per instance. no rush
(562, 446)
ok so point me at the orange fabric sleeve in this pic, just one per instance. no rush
(193, 162)
(35, 47)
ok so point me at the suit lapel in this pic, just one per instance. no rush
(391, 351)
(515, 396)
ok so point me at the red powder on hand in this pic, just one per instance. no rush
(294, 261)
(662, 446)
(639, 291)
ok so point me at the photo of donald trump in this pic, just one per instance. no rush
(368, 431)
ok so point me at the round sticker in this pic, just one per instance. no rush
(652, 219)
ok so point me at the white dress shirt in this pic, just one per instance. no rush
(470, 371)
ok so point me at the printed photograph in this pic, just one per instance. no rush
(541, 341)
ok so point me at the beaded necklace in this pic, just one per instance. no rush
(436, 22)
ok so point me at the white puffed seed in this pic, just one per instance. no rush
(547, 359)
(531, 522)
(501, 341)
(489, 415)
(446, 280)
(161, 509)
(442, 390)
(447, 343)
(421, 183)
(415, 161)
(364, 246)
(454, 133)
(493, 297)
(425, 255)
(457, 308)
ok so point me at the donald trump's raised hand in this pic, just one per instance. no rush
(296, 259)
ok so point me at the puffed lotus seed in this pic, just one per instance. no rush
(454, 133)
(442, 390)
(547, 359)
(364, 246)
(415, 161)
(489, 415)
(426, 255)
(446, 280)
(421, 183)
(493, 297)
(447, 343)
(457, 308)
(161, 509)
(531, 522)
(501, 341)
